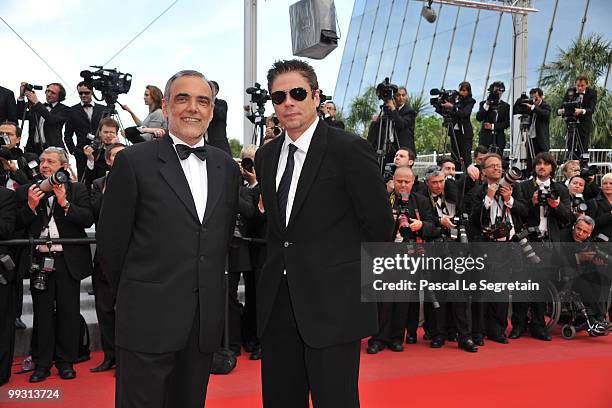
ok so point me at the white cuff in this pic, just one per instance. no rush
(90, 164)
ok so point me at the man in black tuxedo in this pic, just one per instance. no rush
(403, 118)
(65, 213)
(494, 113)
(216, 135)
(8, 107)
(103, 291)
(164, 233)
(323, 195)
(8, 287)
(96, 165)
(83, 119)
(46, 120)
(538, 112)
(330, 112)
(584, 116)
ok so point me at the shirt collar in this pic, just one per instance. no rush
(91, 103)
(176, 140)
(542, 183)
(302, 142)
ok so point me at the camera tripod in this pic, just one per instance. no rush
(448, 132)
(574, 147)
(259, 121)
(527, 142)
(386, 138)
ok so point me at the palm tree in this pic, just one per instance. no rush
(590, 56)
(361, 110)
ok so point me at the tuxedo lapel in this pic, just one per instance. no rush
(216, 178)
(315, 154)
(172, 172)
(271, 167)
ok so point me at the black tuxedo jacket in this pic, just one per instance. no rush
(419, 207)
(78, 123)
(100, 169)
(217, 132)
(600, 210)
(96, 196)
(461, 114)
(558, 217)
(8, 215)
(499, 118)
(589, 102)
(70, 224)
(162, 261)
(8, 106)
(340, 202)
(52, 128)
(541, 114)
(404, 120)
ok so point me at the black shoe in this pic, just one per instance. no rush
(19, 324)
(426, 336)
(250, 346)
(82, 357)
(479, 341)
(375, 347)
(256, 354)
(498, 339)
(67, 372)
(105, 366)
(541, 336)
(515, 333)
(452, 337)
(396, 346)
(411, 339)
(436, 343)
(468, 345)
(39, 374)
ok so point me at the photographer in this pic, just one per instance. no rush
(404, 157)
(83, 120)
(400, 114)
(96, 165)
(330, 112)
(46, 120)
(413, 223)
(495, 117)
(216, 135)
(536, 114)
(460, 111)
(8, 287)
(273, 128)
(56, 270)
(15, 170)
(548, 209)
(578, 108)
(496, 216)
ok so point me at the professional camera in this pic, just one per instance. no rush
(579, 204)
(441, 96)
(110, 82)
(5, 140)
(520, 109)
(259, 96)
(385, 90)
(500, 229)
(389, 171)
(404, 224)
(511, 176)
(276, 130)
(544, 193)
(587, 171)
(323, 98)
(31, 168)
(94, 142)
(59, 177)
(40, 271)
(247, 164)
(526, 248)
(6, 265)
(32, 88)
(459, 233)
(493, 97)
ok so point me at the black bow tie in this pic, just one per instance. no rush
(184, 151)
(48, 104)
(88, 105)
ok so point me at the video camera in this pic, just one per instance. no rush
(587, 171)
(110, 82)
(323, 98)
(571, 102)
(441, 96)
(32, 88)
(385, 91)
(259, 96)
(493, 98)
(519, 108)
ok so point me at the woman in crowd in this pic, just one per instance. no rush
(154, 125)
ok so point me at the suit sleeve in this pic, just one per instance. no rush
(504, 117)
(465, 111)
(79, 213)
(55, 117)
(542, 112)
(11, 106)
(481, 115)
(367, 190)
(69, 133)
(117, 217)
(403, 120)
(590, 107)
(8, 213)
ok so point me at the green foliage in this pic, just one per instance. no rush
(427, 130)
(235, 147)
(361, 110)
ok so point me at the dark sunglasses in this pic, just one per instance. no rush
(298, 94)
(85, 93)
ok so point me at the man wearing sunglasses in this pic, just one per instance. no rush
(323, 196)
(83, 119)
(46, 120)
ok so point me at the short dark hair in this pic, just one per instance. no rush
(582, 78)
(10, 123)
(539, 91)
(480, 149)
(62, 91)
(547, 158)
(85, 84)
(444, 159)
(108, 121)
(294, 65)
(411, 155)
(109, 149)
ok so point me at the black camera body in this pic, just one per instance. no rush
(587, 171)
(403, 215)
(520, 109)
(571, 103)
(6, 266)
(443, 95)
(493, 98)
(323, 98)
(40, 271)
(32, 88)
(247, 164)
(459, 232)
(389, 171)
(259, 96)
(385, 91)
(544, 193)
(579, 204)
(95, 142)
(110, 82)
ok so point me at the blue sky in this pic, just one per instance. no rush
(198, 34)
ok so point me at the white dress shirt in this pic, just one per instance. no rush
(51, 231)
(196, 175)
(302, 143)
(543, 226)
(498, 208)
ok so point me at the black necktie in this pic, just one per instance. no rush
(282, 193)
(184, 151)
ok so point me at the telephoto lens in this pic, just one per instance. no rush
(60, 177)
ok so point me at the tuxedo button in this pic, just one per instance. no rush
(286, 244)
(196, 290)
(201, 258)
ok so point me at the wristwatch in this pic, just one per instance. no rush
(66, 207)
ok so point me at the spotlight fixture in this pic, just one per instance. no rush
(427, 13)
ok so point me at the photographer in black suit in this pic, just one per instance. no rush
(8, 106)
(495, 117)
(330, 112)
(15, 170)
(535, 120)
(403, 118)
(460, 111)
(96, 165)
(216, 135)
(584, 100)
(46, 119)
(83, 120)
(8, 287)
(65, 213)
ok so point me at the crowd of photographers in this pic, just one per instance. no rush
(465, 197)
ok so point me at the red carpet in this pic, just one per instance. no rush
(524, 373)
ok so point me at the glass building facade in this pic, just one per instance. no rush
(389, 38)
